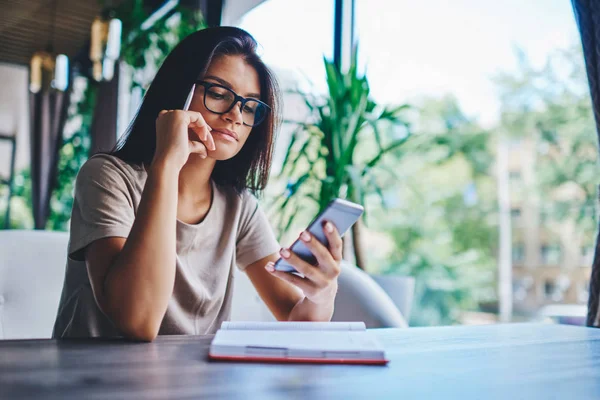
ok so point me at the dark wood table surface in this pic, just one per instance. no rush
(512, 361)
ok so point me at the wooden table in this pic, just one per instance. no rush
(514, 361)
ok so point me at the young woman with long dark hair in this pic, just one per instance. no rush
(159, 224)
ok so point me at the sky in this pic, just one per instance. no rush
(414, 48)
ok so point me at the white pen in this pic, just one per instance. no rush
(186, 106)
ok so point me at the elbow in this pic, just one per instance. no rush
(136, 323)
(138, 327)
(142, 332)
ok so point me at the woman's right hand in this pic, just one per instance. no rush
(180, 133)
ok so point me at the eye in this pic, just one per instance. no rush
(215, 95)
(248, 109)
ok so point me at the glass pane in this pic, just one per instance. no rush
(480, 74)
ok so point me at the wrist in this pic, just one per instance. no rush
(326, 296)
(164, 165)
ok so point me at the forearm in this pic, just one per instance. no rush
(140, 282)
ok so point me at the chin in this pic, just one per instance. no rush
(221, 155)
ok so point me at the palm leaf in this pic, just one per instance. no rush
(378, 157)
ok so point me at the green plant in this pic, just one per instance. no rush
(145, 50)
(335, 153)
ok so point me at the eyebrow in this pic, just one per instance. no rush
(228, 85)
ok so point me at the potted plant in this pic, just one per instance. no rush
(337, 150)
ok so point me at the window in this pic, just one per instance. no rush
(518, 253)
(522, 287)
(425, 53)
(555, 289)
(587, 256)
(551, 254)
(515, 217)
(549, 288)
(583, 292)
(293, 36)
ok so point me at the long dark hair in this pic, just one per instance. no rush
(249, 169)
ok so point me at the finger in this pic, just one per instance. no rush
(198, 148)
(163, 112)
(201, 137)
(302, 283)
(311, 272)
(196, 120)
(208, 138)
(201, 128)
(327, 264)
(334, 239)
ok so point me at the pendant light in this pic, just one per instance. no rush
(48, 70)
(105, 46)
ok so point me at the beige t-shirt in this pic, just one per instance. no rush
(107, 195)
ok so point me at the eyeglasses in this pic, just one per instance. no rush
(220, 100)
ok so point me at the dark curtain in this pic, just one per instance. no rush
(48, 114)
(104, 121)
(587, 14)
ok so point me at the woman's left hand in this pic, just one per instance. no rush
(320, 281)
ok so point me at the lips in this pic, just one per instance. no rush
(226, 132)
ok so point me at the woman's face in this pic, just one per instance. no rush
(229, 131)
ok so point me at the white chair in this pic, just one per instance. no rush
(359, 298)
(32, 270)
(32, 266)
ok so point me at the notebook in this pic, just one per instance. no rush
(302, 342)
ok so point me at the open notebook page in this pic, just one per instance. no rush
(293, 326)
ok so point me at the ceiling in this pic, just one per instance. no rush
(26, 26)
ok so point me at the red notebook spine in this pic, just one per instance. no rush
(298, 360)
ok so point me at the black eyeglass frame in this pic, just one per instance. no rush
(236, 98)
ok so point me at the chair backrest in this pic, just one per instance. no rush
(32, 268)
(247, 304)
(360, 298)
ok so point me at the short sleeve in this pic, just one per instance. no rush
(103, 205)
(256, 238)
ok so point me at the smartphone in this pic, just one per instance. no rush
(186, 106)
(341, 213)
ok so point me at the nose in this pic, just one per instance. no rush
(235, 114)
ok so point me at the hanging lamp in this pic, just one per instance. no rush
(105, 46)
(47, 69)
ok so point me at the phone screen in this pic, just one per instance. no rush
(343, 214)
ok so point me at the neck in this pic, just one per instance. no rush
(194, 179)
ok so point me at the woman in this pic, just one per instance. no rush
(159, 224)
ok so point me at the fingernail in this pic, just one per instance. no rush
(285, 253)
(329, 227)
(270, 267)
(305, 236)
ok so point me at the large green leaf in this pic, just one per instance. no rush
(321, 159)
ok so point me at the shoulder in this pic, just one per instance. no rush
(110, 169)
